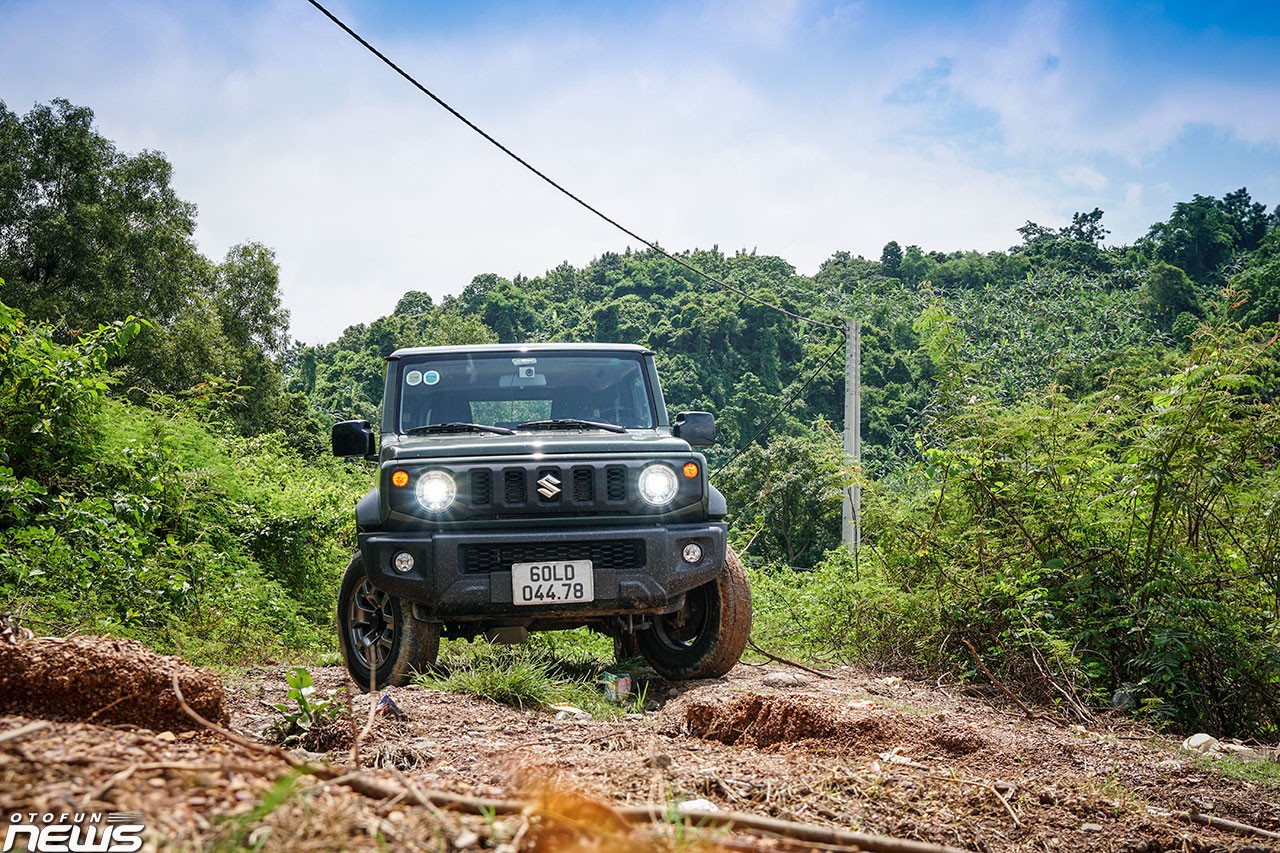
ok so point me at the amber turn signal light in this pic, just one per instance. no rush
(690, 469)
(400, 479)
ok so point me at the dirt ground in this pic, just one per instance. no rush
(877, 755)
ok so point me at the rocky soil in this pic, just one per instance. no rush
(895, 760)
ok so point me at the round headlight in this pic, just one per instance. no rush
(692, 552)
(657, 485)
(435, 491)
(402, 562)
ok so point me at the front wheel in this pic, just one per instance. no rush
(704, 638)
(381, 642)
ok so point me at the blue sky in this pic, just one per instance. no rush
(797, 128)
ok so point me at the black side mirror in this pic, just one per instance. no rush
(353, 438)
(697, 428)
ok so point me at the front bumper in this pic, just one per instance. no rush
(467, 576)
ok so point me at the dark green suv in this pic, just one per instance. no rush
(537, 487)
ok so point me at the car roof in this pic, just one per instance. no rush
(472, 349)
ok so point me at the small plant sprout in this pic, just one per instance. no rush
(308, 709)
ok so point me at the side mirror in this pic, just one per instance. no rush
(697, 428)
(353, 438)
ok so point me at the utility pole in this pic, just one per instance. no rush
(851, 528)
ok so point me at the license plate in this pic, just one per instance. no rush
(552, 583)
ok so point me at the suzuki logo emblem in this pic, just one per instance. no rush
(549, 486)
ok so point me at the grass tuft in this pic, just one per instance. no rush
(564, 668)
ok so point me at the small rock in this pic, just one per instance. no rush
(1169, 766)
(697, 806)
(167, 737)
(660, 761)
(673, 693)
(1091, 827)
(465, 840)
(1201, 743)
(652, 705)
(786, 679)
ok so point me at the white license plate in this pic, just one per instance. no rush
(552, 583)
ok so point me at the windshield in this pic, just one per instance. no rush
(508, 390)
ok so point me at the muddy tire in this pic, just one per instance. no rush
(705, 638)
(376, 631)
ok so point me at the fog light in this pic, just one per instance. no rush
(403, 562)
(692, 552)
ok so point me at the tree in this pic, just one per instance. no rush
(88, 234)
(247, 295)
(1167, 293)
(891, 259)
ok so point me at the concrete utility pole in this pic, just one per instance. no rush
(851, 528)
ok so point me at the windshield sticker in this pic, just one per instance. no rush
(431, 377)
(413, 377)
(524, 361)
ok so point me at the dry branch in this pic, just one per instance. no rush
(1031, 715)
(771, 656)
(23, 731)
(1223, 823)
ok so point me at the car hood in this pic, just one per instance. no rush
(547, 443)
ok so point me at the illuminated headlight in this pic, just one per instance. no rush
(402, 562)
(692, 552)
(657, 485)
(435, 491)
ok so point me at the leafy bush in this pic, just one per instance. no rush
(151, 523)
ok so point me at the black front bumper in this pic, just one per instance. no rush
(467, 576)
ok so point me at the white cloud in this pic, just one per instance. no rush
(283, 130)
(1083, 175)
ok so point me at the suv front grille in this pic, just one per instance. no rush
(608, 554)
(515, 491)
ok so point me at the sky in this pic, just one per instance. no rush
(796, 128)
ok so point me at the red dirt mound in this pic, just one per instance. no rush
(106, 681)
(764, 721)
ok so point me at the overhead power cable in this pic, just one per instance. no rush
(784, 407)
(514, 156)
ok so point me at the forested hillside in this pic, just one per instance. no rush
(1070, 447)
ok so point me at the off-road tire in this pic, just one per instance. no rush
(706, 637)
(404, 645)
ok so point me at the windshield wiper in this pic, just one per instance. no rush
(571, 423)
(459, 426)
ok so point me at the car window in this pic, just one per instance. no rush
(507, 389)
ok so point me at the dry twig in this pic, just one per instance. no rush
(23, 731)
(1031, 715)
(1223, 823)
(771, 656)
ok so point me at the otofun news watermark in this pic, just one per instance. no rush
(73, 832)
